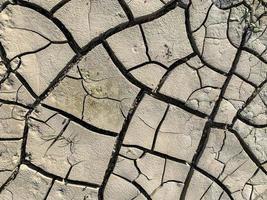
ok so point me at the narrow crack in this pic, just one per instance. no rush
(119, 142)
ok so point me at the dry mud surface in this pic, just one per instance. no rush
(133, 100)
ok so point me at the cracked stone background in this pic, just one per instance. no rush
(133, 100)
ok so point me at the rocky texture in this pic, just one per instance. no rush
(133, 99)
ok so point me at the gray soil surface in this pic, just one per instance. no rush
(133, 100)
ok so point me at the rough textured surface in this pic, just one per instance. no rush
(133, 99)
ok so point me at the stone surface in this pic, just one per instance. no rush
(133, 100)
(101, 95)
(166, 37)
(87, 19)
(71, 191)
(28, 184)
(60, 142)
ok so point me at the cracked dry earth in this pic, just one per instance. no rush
(133, 100)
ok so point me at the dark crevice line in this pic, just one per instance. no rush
(116, 151)
(58, 6)
(207, 129)
(199, 79)
(158, 127)
(219, 71)
(193, 43)
(206, 191)
(205, 19)
(168, 7)
(201, 88)
(182, 61)
(163, 2)
(157, 153)
(231, 6)
(37, 50)
(181, 4)
(81, 183)
(177, 103)
(245, 80)
(148, 90)
(123, 156)
(262, 84)
(122, 69)
(49, 189)
(196, 157)
(229, 76)
(5, 170)
(166, 156)
(147, 63)
(45, 93)
(138, 186)
(32, 31)
(75, 47)
(58, 136)
(126, 9)
(261, 16)
(138, 169)
(139, 20)
(218, 182)
(26, 85)
(145, 41)
(218, 125)
(5, 77)
(3, 101)
(248, 122)
(228, 29)
(255, 53)
(4, 5)
(203, 44)
(172, 181)
(58, 178)
(6, 62)
(57, 79)
(49, 118)
(69, 171)
(263, 4)
(74, 78)
(9, 179)
(40, 121)
(172, 67)
(163, 173)
(247, 149)
(3, 55)
(221, 195)
(25, 137)
(248, 101)
(11, 139)
(31, 52)
(81, 122)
